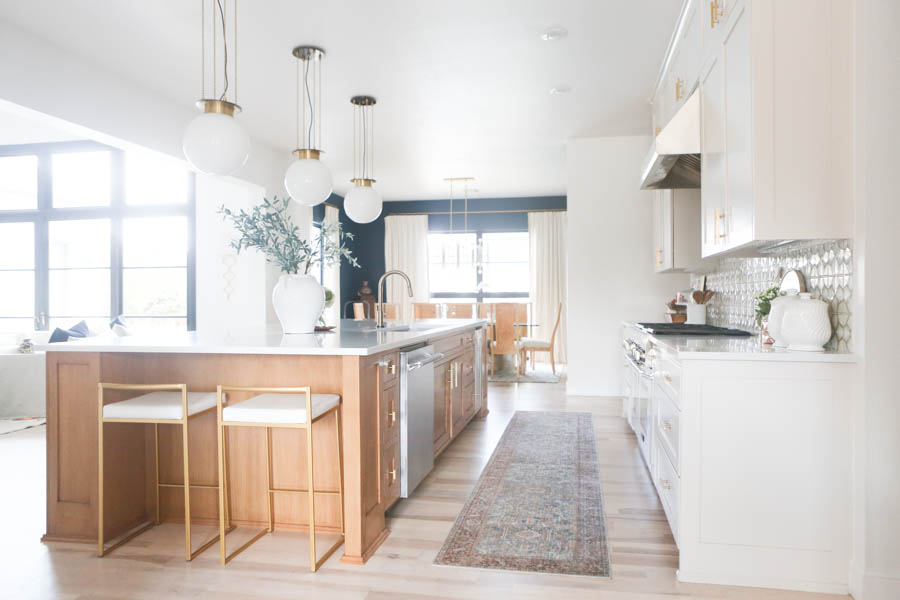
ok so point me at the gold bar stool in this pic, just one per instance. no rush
(279, 407)
(164, 404)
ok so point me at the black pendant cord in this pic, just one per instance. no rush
(224, 48)
(311, 109)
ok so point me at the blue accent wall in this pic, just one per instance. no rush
(368, 243)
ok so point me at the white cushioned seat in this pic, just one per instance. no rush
(278, 408)
(159, 405)
(533, 342)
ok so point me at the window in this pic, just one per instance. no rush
(479, 267)
(89, 232)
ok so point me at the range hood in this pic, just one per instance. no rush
(674, 159)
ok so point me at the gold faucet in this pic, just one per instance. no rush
(379, 322)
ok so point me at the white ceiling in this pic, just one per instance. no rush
(462, 86)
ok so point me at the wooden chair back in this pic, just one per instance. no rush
(426, 310)
(505, 314)
(359, 311)
(555, 326)
(461, 310)
(391, 311)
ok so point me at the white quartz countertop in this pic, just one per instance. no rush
(722, 347)
(358, 338)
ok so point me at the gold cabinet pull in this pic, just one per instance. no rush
(393, 414)
(665, 484)
(667, 425)
(659, 253)
(724, 232)
(715, 13)
(679, 88)
(393, 471)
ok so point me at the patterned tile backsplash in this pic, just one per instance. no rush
(827, 266)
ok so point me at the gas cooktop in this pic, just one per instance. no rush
(687, 329)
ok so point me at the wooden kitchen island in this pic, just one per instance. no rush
(356, 361)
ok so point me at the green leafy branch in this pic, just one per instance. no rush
(764, 303)
(269, 229)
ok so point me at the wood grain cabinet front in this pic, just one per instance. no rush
(441, 406)
(390, 416)
(390, 475)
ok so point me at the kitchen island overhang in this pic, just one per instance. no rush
(357, 362)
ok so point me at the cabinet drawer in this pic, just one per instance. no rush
(667, 373)
(390, 475)
(668, 485)
(668, 425)
(390, 368)
(448, 345)
(467, 370)
(390, 416)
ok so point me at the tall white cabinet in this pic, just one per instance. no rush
(774, 81)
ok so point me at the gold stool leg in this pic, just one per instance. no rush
(270, 495)
(311, 492)
(221, 461)
(337, 428)
(187, 487)
(156, 466)
(100, 473)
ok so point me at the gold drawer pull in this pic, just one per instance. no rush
(715, 13)
(665, 484)
(393, 471)
(667, 425)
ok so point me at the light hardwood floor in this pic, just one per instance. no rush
(152, 566)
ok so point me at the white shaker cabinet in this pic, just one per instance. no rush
(776, 124)
(676, 229)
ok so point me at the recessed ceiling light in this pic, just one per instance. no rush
(555, 33)
(560, 90)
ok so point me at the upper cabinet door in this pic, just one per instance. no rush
(663, 218)
(738, 222)
(712, 183)
(689, 48)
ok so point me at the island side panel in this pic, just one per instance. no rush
(72, 453)
(365, 526)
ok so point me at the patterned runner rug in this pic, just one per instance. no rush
(537, 506)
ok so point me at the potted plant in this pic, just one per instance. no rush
(298, 297)
(763, 307)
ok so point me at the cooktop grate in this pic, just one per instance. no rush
(689, 329)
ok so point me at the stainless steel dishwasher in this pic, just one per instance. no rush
(416, 415)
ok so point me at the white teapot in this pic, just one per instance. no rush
(805, 324)
(776, 317)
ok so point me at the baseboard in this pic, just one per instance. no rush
(874, 586)
(764, 582)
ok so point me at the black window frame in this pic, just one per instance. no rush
(480, 295)
(116, 212)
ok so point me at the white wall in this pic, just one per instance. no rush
(610, 255)
(48, 79)
(875, 572)
(231, 287)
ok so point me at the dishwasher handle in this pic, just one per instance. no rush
(425, 361)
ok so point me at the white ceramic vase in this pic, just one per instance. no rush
(776, 317)
(805, 325)
(298, 301)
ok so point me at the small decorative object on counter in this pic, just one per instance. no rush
(26, 346)
(696, 309)
(365, 296)
(676, 312)
(298, 297)
(776, 316)
(763, 308)
(805, 325)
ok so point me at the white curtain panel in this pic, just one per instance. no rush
(333, 273)
(406, 249)
(549, 284)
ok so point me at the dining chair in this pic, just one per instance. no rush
(426, 310)
(485, 310)
(532, 345)
(360, 312)
(460, 310)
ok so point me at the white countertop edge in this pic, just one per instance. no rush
(132, 344)
(753, 350)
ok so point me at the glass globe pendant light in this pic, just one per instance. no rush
(308, 180)
(214, 142)
(363, 202)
